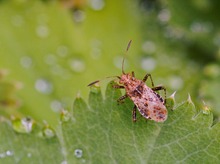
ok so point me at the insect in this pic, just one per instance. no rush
(148, 102)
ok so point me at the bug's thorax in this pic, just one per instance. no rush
(129, 82)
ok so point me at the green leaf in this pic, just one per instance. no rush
(102, 131)
(27, 148)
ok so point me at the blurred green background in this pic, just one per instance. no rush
(50, 50)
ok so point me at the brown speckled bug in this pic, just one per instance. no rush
(149, 103)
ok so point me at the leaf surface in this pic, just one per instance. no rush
(103, 132)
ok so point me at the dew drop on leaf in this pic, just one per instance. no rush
(42, 31)
(78, 153)
(9, 153)
(148, 64)
(50, 59)
(201, 27)
(96, 50)
(64, 162)
(24, 125)
(29, 155)
(97, 4)
(117, 62)
(62, 51)
(77, 65)
(176, 82)
(48, 132)
(17, 20)
(26, 61)
(2, 155)
(65, 116)
(56, 106)
(164, 15)
(95, 88)
(149, 47)
(79, 16)
(43, 86)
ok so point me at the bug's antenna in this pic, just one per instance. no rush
(129, 44)
(94, 82)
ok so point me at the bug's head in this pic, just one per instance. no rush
(125, 79)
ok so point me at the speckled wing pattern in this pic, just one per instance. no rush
(149, 103)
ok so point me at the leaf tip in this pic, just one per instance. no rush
(170, 101)
(95, 88)
(206, 109)
(78, 95)
(65, 115)
(189, 100)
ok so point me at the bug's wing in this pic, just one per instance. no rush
(151, 106)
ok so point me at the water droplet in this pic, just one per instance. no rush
(77, 65)
(24, 125)
(171, 32)
(148, 64)
(64, 162)
(43, 86)
(95, 88)
(96, 48)
(65, 116)
(62, 51)
(149, 47)
(50, 59)
(164, 15)
(78, 153)
(42, 31)
(56, 106)
(27, 123)
(176, 82)
(97, 4)
(17, 20)
(118, 60)
(26, 61)
(2, 155)
(79, 16)
(201, 27)
(216, 40)
(42, 18)
(96, 53)
(9, 153)
(58, 70)
(48, 132)
(29, 155)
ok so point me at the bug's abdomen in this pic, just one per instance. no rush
(149, 103)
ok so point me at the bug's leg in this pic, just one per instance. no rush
(134, 118)
(157, 88)
(118, 86)
(120, 100)
(146, 77)
(132, 73)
